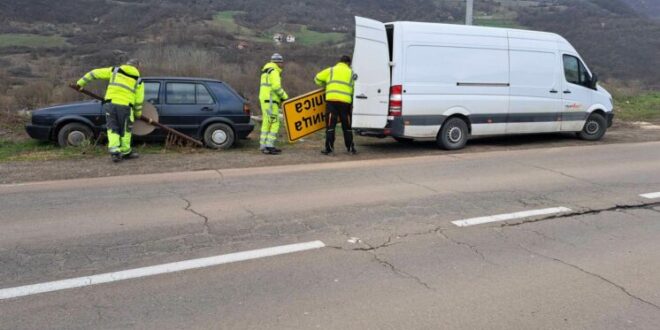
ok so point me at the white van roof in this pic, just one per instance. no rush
(457, 29)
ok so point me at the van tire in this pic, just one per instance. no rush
(453, 134)
(74, 135)
(594, 128)
(219, 136)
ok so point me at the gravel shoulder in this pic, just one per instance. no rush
(246, 154)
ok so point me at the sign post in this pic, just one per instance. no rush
(304, 114)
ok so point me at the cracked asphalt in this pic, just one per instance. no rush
(393, 259)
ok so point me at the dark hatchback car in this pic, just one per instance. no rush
(207, 109)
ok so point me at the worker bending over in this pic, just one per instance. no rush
(123, 103)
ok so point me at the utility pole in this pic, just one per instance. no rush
(469, 7)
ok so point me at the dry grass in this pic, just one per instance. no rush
(242, 73)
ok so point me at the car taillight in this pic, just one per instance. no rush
(246, 108)
(396, 101)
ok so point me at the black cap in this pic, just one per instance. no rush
(346, 59)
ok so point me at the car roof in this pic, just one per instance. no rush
(182, 79)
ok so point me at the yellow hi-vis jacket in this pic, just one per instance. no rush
(124, 85)
(338, 82)
(271, 85)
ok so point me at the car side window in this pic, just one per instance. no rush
(152, 92)
(203, 95)
(575, 71)
(180, 93)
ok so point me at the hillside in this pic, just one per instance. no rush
(44, 44)
(647, 8)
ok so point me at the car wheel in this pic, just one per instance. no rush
(453, 134)
(594, 128)
(219, 136)
(74, 135)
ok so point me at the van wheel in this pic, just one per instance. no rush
(453, 134)
(594, 128)
(219, 136)
(74, 135)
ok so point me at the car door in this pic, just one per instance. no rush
(187, 105)
(576, 93)
(371, 65)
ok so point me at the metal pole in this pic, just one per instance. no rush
(469, 7)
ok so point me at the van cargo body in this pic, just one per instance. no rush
(445, 82)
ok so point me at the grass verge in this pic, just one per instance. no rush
(643, 107)
(31, 40)
(308, 37)
(33, 150)
(225, 20)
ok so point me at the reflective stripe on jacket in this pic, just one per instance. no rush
(338, 82)
(271, 89)
(124, 85)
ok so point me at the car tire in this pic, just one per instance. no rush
(74, 135)
(594, 128)
(453, 134)
(219, 136)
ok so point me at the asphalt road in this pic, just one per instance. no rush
(392, 259)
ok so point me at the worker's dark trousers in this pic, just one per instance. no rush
(334, 110)
(119, 123)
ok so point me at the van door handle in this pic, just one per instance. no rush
(554, 91)
(567, 91)
(207, 109)
(361, 96)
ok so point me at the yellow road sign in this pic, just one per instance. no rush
(304, 114)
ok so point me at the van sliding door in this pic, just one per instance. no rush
(371, 64)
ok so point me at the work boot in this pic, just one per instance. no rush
(116, 157)
(352, 150)
(131, 155)
(275, 150)
(269, 151)
(326, 152)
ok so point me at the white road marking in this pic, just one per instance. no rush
(78, 282)
(651, 195)
(509, 216)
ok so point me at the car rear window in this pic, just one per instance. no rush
(178, 93)
(188, 93)
(203, 95)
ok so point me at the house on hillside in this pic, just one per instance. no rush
(242, 45)
(278, 38)
(290, 38)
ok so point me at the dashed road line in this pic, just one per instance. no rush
(84, 281)
(509, 216)
(651, 195)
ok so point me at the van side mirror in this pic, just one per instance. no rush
(594, 82)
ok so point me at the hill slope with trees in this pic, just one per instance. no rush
(45, 44)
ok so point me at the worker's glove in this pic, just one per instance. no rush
(80, 88)
(137, 115)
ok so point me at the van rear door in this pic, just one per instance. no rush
(371, 64)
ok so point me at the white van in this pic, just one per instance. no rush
(445, 82)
